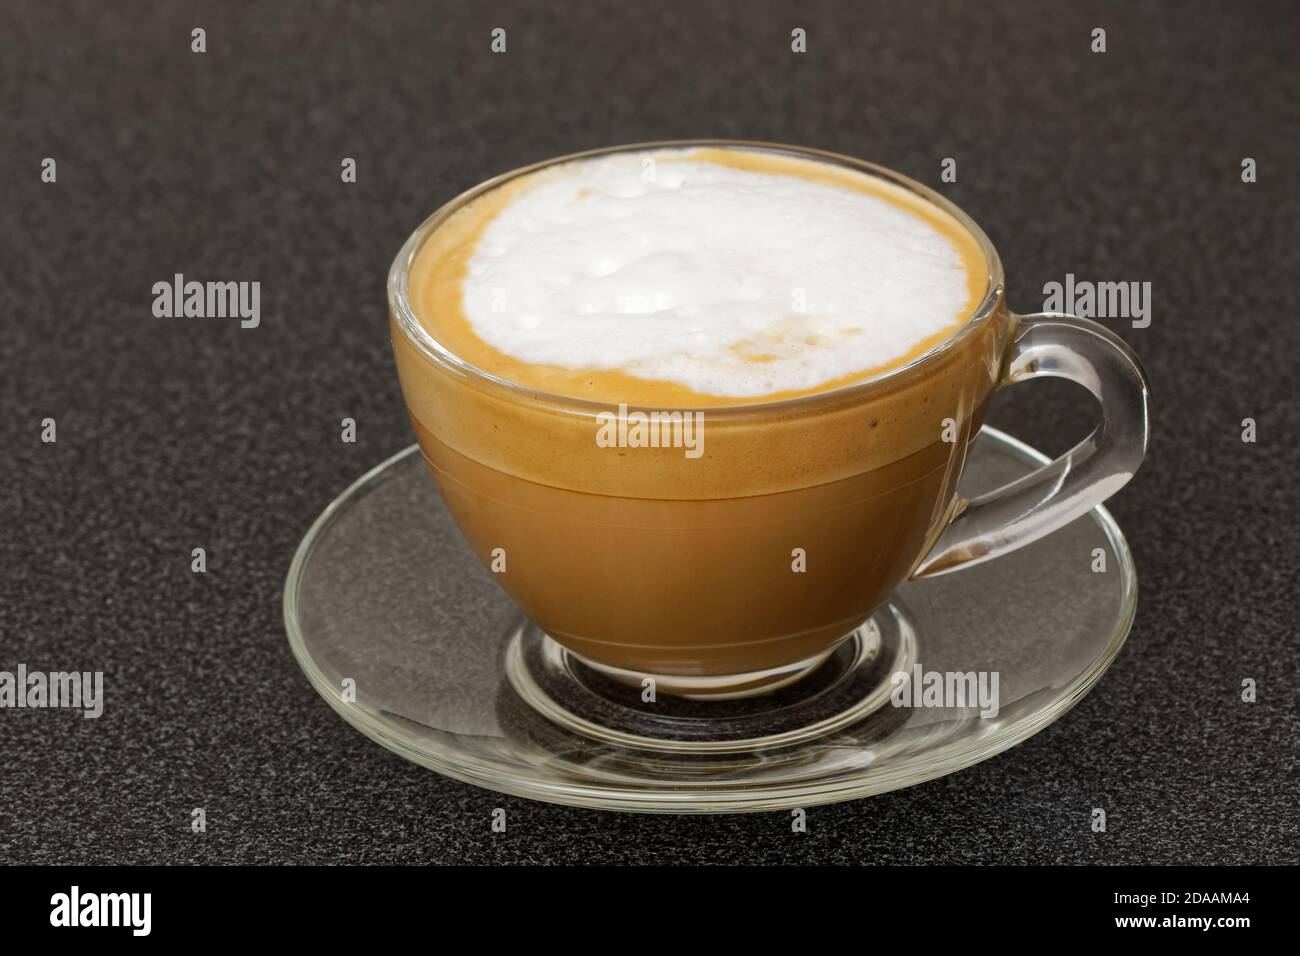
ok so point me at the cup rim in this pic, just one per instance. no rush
(399, 300)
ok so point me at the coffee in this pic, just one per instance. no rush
(786, 298)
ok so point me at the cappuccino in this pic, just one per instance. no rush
(783, 300)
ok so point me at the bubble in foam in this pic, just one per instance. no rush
(693, 276)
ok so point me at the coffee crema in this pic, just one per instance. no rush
(695, 278)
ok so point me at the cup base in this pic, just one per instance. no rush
(724, 687)
(834, 690)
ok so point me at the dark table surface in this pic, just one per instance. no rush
(179, 434)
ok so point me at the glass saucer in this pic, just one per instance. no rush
(406, 635)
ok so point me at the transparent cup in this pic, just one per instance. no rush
(739, 571)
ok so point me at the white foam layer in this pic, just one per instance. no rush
(729, 282)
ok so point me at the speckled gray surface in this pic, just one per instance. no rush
(175, 434)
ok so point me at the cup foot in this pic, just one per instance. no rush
(725, 687)
(733, 714)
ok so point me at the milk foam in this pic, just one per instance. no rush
(727, 281)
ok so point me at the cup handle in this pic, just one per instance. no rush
(1062, 346)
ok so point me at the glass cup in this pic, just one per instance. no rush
(738, 570)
